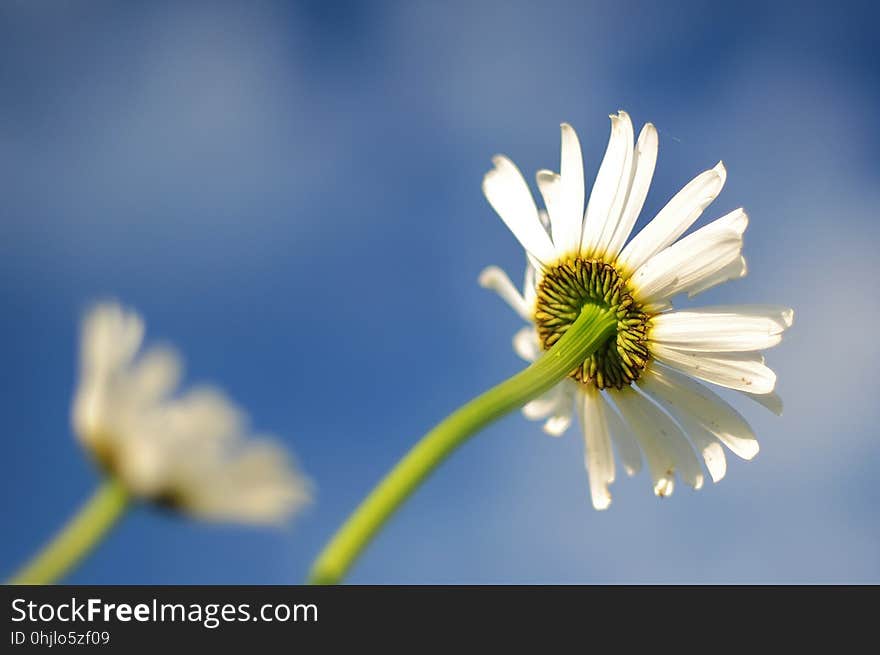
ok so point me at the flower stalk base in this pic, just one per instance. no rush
(591, 330)
(76, 539)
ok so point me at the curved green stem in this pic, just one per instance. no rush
(586, 334)
(76, 539)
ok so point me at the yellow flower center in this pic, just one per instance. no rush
(564, 290)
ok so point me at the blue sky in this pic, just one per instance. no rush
(290, 194)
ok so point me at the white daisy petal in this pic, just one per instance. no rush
(507, 192)
(257, 485)
(655, 429)
(143, 466)
(558, 424)
(568, 223)
(644, 161)
(781, 315)
(737, 220)
(704, 440)
(675, 218)
(662, 412)
(608, 180)
(560, 420)
(110, 339)
(190, 451)
(598, 456)
(720, 329)
(741, 371)
(620, 198)
(689, 262)
(704, 406)
(544, 217)
(555, 405)
(205, 416)
(530, 285)
(675, 269)
(156, 375)
(660, 462)
(497, 280)
(535, 263)
(624, 440)
(109, 343)
(733, 271)
(544, 405)
(550, 186)
(525, 344)
(712, 453)
(771, 401)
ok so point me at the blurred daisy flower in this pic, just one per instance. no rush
(639, 390)
(188, 451)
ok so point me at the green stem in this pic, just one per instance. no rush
(591, 329)
(74, 541)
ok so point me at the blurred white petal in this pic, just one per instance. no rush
(189, 451)
(525, 344)
(497, 280)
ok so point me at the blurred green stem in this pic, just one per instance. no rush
(76, 539)
(592, 328)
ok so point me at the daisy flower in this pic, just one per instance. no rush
(187, 451)
(642, 390)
